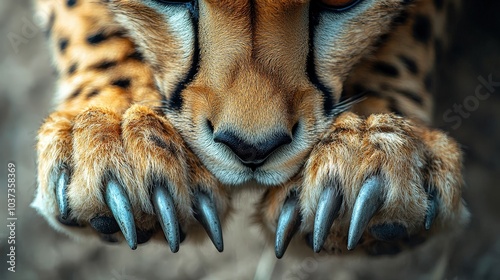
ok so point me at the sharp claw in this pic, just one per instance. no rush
(288, 223)
(431, 210)
(165, 210)
(328, 208)
(369, 200)
(206, 214)
(61, 190)
(119, 204)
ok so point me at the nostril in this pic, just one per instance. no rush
(295, 128)
(250, 154)
(210, 126)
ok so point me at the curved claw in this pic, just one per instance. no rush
(206, 214)
(328, 209)
(431, 210)
(369, 200)
(288, 223)
(119, 204)
(165, 210)
(61, 190)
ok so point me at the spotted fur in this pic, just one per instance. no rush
(146, 86)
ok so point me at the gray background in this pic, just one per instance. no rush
(26, 84)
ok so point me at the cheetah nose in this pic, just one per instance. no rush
(252, 155)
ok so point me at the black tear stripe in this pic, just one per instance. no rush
(175, 101)
(328, 100)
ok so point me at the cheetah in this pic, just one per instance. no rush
(165, 110)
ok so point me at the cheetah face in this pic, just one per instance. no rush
(251, 85)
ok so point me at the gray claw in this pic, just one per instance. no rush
(119, 204)
(369, 200)
(431, 210)
(61, 193)
(206, 214)
(288, 223)
(328, 209)
(165, 210)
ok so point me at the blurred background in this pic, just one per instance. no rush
(26, 86)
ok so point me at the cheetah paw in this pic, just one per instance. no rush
(100, 173)
(374, 185)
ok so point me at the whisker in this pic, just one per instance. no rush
(347, 103)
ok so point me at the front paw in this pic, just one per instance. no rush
(100, 174)
(374, 186)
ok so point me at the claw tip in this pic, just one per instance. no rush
(131, 243)
(219, 247)
(174, 249)
(316, 248)
(350, 245)
(279, 253)
(206, 214)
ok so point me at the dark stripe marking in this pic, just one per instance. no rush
(411, 95)
(92, 93)
(409, 63)
(386, 69)
(63, 44)
(72, 68)
(137, 55)
(122, 82)
(105, 65)
(394, 107)
(422, 29)
(75, 94)
(381, 40)
(99, 37)
(401, 19)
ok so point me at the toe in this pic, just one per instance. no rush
(105, 225)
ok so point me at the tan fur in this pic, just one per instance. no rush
(112, 118)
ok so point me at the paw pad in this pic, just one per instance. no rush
(388, 232)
